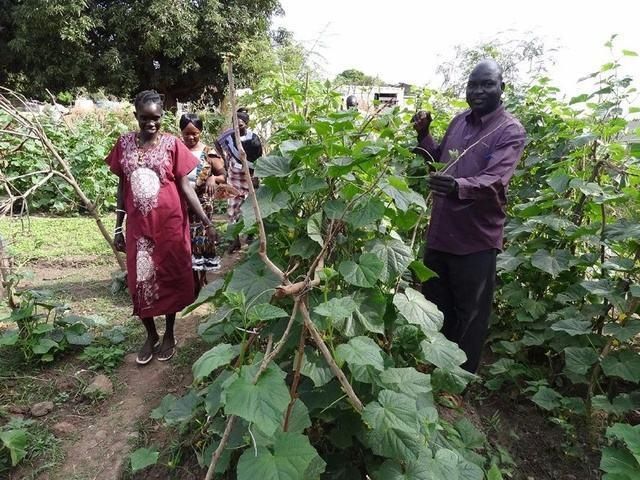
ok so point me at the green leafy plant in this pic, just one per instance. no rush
(101, 357)
(24, 440)
(42, 328)
(569, 298)
(327, 360)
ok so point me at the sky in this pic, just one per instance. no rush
(406, 40)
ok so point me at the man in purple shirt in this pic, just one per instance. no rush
(481, 148)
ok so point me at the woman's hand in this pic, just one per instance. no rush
(119, 243)
(210, 186)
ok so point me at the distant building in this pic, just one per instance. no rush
(369, 96)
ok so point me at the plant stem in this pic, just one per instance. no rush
(296, 378)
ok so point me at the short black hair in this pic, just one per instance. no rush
(188, 118)
(244, 117)
(147, 96)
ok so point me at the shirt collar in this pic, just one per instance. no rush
(485, 118)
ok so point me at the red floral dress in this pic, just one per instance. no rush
(159, 276)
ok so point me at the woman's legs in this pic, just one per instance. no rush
(146, 352)
(168, 347)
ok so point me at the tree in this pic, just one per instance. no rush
(522, 60)
(174, 46)
(352, 76)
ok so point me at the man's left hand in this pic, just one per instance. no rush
(442, 184)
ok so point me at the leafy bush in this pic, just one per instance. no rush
(335, 203)
(42, 330)
(100, 357)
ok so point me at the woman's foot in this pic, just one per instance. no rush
(235, 245)
(168, 348)
(145, 355)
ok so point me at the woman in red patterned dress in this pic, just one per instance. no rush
(153, 192)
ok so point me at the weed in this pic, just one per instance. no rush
(105, 358)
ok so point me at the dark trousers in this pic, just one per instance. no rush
(463, 291)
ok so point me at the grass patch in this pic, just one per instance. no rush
(54, 238)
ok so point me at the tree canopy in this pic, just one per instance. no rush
(121, 46)
(353, 76)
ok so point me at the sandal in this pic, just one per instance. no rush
(144, 361)
(169, 354)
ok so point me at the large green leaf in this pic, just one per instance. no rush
(419, 469)
(579, 359)
(361, 351)
(263, 403)
(269, 203)
(624, 332)
(401, 194)
(183, 409)
(624, 364)
(407, 380)
(272, 166)
(16, 442)
(368, 315)
(314, 228)
(619, 405)
(572, 326)
(365, 214)
(44, 345)
(206, 294)
(616, 461)
(553, 264)
(336, 308)
(218, 356)
(417, 310)
(265, 311)
(509, 260)
(315, 367)
(628, 434)
(395, 256)
(395, 426)
(365, 273)
(441, 352)
(143, 458)
(547, 398)
(289, 459)
(254, 279)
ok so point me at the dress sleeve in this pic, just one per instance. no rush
(113, 160)
(183, 160)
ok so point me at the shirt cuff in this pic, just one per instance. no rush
(465, 189)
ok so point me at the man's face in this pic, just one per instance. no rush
(242, 127)
(484, 89)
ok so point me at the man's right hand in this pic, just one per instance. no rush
(422, 122)
(119, 243)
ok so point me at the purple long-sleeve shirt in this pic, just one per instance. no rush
(472, 219)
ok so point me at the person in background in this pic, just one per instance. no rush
(482, 147)
(352, 102)
(252, 146)
(153, 193)
(204, 179)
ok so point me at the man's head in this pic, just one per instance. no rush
(243, 122)
(485, 87)
(352, 102)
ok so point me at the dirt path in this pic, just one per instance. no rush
(100, 450)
